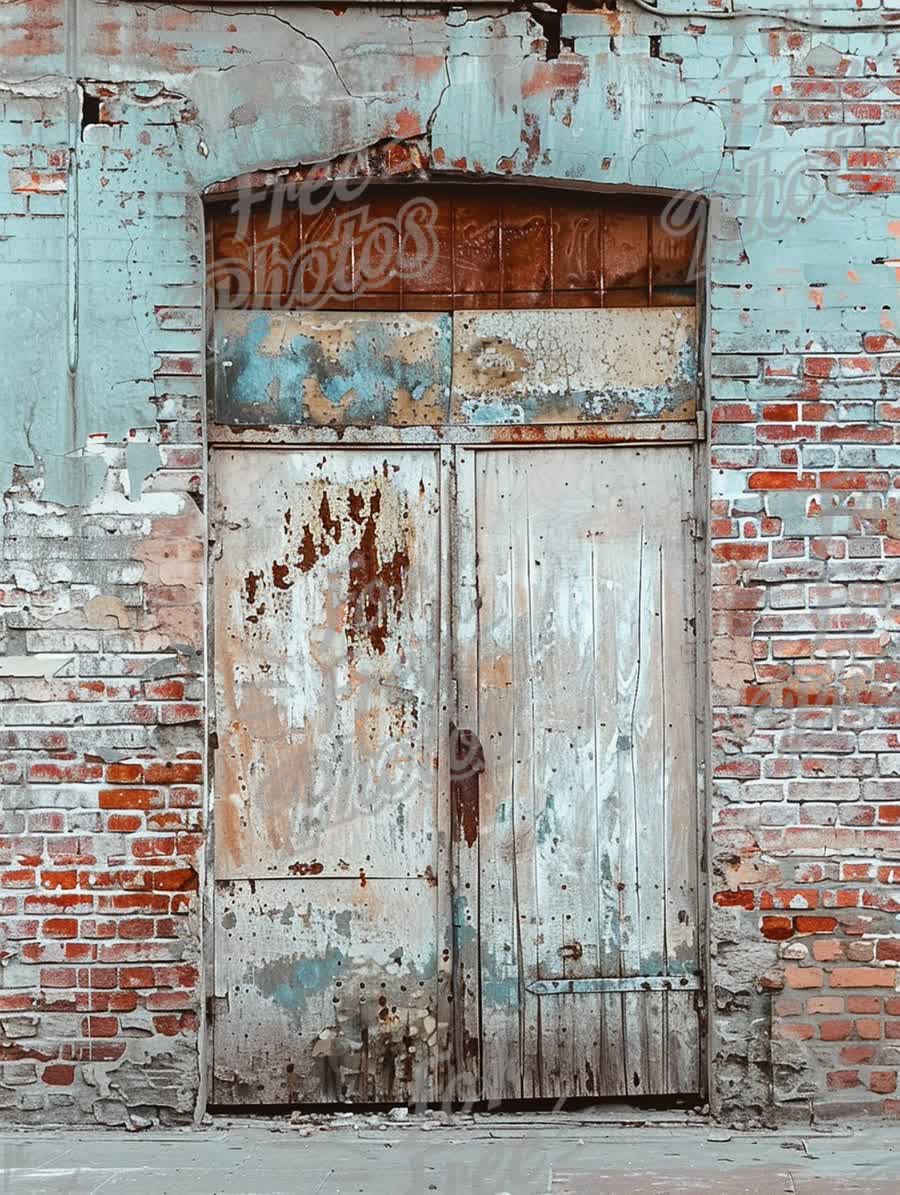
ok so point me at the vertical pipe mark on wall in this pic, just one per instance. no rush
(74, 101)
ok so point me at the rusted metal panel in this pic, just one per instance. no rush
(584, 689)
(564, 366)
(445, 248)
(330, 992)
(332, 369)
(469, 435)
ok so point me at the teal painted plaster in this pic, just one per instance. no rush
(82, 284)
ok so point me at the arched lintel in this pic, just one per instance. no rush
(406, 163)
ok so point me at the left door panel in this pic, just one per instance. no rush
(326, 625)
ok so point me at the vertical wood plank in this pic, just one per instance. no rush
(502, 980)
(679, 665)
(445, 1086)
(464, 710)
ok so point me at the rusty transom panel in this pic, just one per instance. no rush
(423, 247)
(342, 369)
(326, 583)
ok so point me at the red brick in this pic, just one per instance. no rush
(857, 1055)
(174, 773)
(835, 1030)
(803, 977)
(59, 1074)
(100, 1026)
(864, 1004)
(179, 879)
(815, 925)
(60, 927)
(884, 1082)
(838, 1080)
(124, 773)
(777, 928)
(868, 1029)
(124, 823)
(130, 798)
(861, 977)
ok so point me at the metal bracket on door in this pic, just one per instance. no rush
(625, 983)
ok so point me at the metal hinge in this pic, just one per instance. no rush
(212, 1002)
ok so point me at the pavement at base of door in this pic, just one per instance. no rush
(508, 1155)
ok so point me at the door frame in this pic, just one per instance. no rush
(458, 1076)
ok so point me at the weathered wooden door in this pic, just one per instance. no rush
(327, 607)
(455, 783)
(578, 675)
(572, 941)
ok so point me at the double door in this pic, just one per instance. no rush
(455, 782)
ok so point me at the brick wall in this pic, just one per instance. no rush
(791, 133)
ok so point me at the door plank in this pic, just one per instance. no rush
(464, 712)
(502, 980)
(446, 1087)
(326, 620)
(679, 665)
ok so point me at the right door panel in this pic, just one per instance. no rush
(586, 711)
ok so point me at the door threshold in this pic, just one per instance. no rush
(504, 1119)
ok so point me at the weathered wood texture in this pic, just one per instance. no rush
(587, 834)
(326, 596)
(569, 614)
(329, 991)
(573, 366)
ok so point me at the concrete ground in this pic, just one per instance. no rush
(500, 1155)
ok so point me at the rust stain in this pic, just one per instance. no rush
(466, 764)
(406, 123)
(307, 554)
(572, 950)
(362, 878)
(530, 137)
(331, 526)
(357, 504)
(280, 576)
(558, 75)
(375, 585)
(251, 581)
(307, 869)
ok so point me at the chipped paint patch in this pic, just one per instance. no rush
(563, 366)
(332, 369)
